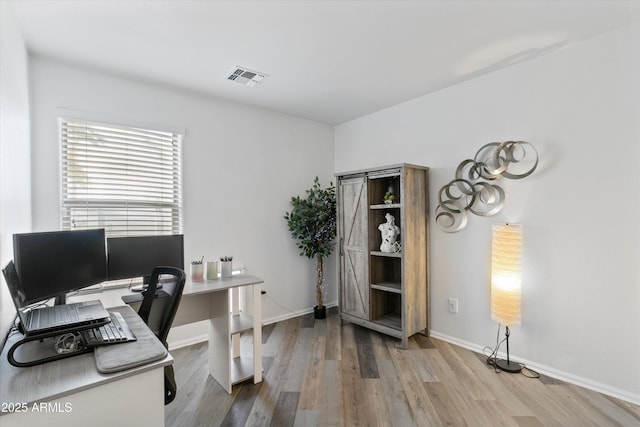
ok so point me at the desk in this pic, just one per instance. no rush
(72, 392)
(209, 300)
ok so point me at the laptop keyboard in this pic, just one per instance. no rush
(56, 315)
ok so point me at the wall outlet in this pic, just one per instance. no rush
(453, 305)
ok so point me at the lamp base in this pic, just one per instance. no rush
(511, 367)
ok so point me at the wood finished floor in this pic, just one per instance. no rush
(322, 373)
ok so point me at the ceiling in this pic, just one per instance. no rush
(329, 61)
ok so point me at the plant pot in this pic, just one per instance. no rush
(320, 313)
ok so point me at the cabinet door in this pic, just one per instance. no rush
(354, 267)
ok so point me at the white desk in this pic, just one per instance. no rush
(71, 392)
(210, 300)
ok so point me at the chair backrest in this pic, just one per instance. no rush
(158, 311)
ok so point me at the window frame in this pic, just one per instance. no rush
(100, 139)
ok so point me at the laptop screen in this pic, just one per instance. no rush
(17, 295)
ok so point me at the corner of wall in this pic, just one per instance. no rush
(15, 147)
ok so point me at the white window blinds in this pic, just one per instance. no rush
(123, 179)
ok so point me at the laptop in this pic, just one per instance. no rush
(45, 319)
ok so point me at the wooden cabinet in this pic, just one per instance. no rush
(384, 288)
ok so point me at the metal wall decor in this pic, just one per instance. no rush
(473, 189)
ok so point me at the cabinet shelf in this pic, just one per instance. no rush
(387, 254)
(396, 288)
(390, 321)
(386, 206)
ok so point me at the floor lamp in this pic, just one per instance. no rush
(506, 254)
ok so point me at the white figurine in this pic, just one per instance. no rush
(390, 232)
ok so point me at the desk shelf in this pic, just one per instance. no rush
(241, 364)
(241, 369)
(230, 329)
(239, 323)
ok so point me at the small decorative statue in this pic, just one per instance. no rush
(390, 232)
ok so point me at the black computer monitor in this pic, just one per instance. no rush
(51, 264)
(132, 257)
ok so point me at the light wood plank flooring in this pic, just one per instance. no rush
(322, 373)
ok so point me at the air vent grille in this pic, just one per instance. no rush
(245, 76)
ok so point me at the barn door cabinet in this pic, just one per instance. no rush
(384, 290)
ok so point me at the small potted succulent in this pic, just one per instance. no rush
(312, 222)
(389, 197)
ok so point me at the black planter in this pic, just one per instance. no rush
(320, 313)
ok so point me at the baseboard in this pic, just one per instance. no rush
(197, 339)
(549, 371)
(296, 313)
(287, 316)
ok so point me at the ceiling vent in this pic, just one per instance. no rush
(245, 76)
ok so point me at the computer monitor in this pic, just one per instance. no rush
(51, 264)
(133, 257)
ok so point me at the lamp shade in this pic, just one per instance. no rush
(506, 282)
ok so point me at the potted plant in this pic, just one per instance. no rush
(312, 222)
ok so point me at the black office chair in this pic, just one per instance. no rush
(158, 312)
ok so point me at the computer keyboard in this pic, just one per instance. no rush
(115, 332)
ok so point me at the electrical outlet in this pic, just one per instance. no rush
(453, 305)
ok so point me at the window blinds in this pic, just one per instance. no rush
(126, 180)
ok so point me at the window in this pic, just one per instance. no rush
(126, 180)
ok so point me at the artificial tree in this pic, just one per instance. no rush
(312, 222)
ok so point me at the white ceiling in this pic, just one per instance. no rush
(330, 61)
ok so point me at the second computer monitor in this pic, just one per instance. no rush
(132, 257)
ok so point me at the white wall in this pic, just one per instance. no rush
(241, 165)
(15, 171)
(580, 107)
